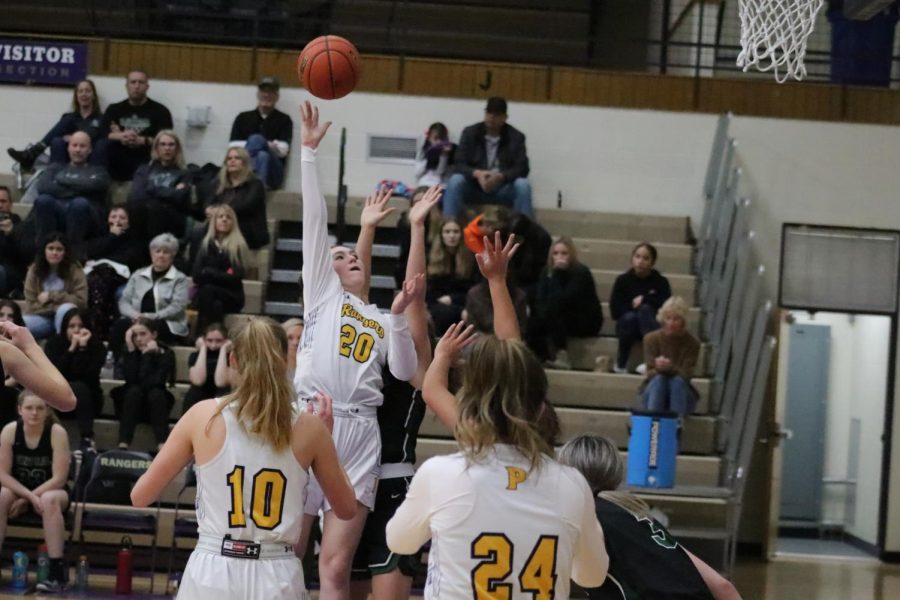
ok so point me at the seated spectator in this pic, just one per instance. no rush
(451, 274)
(566, 305)
(9, 387)
(158, 293)
(636, 297)
(670, 354)
(432, 231)
(34, 468)
(160, 196)
(12, 263)
(266, 133)
(490, 164)
(203, 364)
(479, 310)
(79, 356)
(54, 284)
(219, 269)
(71, 197)
(112, 259)
(149, 368)
(129, 127)
(240, 189)
(434, 156)
(294, 330)
(10, 311)
(85, 116)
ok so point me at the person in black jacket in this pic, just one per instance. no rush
(240, 189)
(149, 369)
(13, 262)
(129, 126)
(266, 133)
(636, 297)
(534, 242)
(211, 355)
(219, 269)
(160, 196)
(79, 356)
(9, 387)
(566, 305)
(451, 273)
(491, 165)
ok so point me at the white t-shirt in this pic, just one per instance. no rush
(346, 342)
(493, 524)
(491, 145)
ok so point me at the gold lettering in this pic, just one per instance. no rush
(515, 476)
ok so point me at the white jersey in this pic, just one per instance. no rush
(493, 525)
(249, 491)
(346, 342)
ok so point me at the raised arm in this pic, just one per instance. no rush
(24, 360)
(319, 278)
(435, 388)
(197, 372)
(401, 351)
(373, 213)
(223, 375)
(493, 263)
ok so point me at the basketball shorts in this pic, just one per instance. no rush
(372, 555)
(209, 575)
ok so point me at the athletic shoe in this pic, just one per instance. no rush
(50, 586)
(620, 370)
(560, 362)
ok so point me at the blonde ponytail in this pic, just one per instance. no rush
(263, 396)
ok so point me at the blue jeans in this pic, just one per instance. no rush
(266, 164)
(632, 327)
(43, 326)
(462, 190)
(669, 393)
(77, 217)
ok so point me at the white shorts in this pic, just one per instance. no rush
(209, 575)
(358, 443)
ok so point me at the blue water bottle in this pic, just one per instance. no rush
(20, 570)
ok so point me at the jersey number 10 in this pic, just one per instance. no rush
(538, 576)
(266, 499)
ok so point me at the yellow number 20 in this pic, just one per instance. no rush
(266, 498)
(362, 349)
(538, 576)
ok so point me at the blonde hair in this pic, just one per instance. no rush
(233, 243)
(570, 246)
(263, 396)
(443, 261)
(245, 175)
(179, 151)
(598, 459)
(675, 305)
(290, 323)
(503, 401)
(52, 417)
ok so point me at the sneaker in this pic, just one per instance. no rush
(27, 156)
(560, 362)
(641, 369)
(619, 370)
(50, 586)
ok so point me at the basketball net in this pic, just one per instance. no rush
(774, 34)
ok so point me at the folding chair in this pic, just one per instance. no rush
(185, 525)
(106, 500)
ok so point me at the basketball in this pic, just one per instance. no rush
(329, 67)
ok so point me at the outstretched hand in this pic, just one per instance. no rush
(311, 131)
(457, 337)
(375, 211)
(493, 262)
(419, 211)
(412, 290)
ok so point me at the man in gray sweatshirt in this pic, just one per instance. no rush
(71, 197)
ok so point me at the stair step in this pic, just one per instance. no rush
(583, 353)
(607, 390)
(614, 226)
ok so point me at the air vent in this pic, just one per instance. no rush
(392, 148)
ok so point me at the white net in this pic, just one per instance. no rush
(774, 34)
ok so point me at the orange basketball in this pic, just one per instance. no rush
(329, 67)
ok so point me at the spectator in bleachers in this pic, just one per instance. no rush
(566, 305)
(160, 196)
(158, 293)
(294, 330)
(9, 387)
(10, 311)
(203, 364)
(85, 116)
(432, 231)
(129, 126)
(490, 164)
(266, 133)
(529, 262)
(112, 259)
(451, 274)
(149, 367)
(670, 354)
(12, 263)
(54, 284)
(240, 189)
(434, 156)
(637, 295)
(34, 468)
(79, 356)
(218, 270)
(71, 197)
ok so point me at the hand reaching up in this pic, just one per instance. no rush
(375, 211)
(412, 290)
(494, 261)
(419, 211)
(457, 337)
(311, 132)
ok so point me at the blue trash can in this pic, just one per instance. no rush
(652, 449)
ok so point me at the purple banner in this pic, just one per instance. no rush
(53, 63)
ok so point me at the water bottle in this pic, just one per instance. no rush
(81, 575)
(43, 564)
(109, 367)
(124, 567)
(20, 570)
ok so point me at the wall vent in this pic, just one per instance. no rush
(391, 148)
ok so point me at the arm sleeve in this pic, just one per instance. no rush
(402, 359)
(651, 351)
(179, 300)
(126, 302)
(421, 161)
(410, 526)
(688, 359)
(76, 288)
(460, 159)
(47, 183)
(319, 279)
(618, 304)
(590, 561)
(140, 184)
(57, 350)
(97, 182)
(235, 131)
(250, 198)
(519, 166)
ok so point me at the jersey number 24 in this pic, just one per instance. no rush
(538, 576)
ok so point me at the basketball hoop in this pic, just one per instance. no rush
(774, 34)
